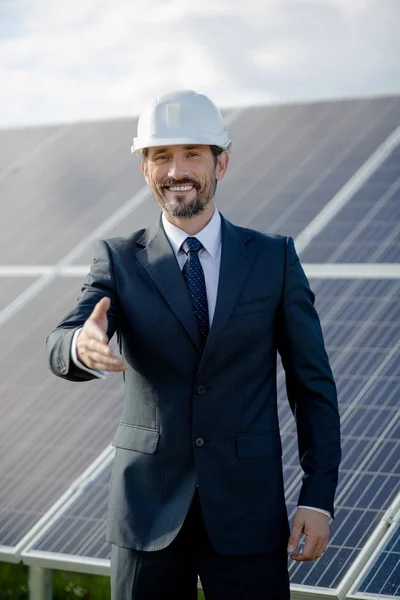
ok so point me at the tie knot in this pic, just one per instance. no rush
(191, 244)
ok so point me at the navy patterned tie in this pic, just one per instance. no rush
(194, 277)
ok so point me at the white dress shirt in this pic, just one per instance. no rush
(210, 258)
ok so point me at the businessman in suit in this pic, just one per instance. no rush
(201, 307)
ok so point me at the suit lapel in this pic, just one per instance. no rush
(158, 259)
(237, 257)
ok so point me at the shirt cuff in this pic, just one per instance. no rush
(320, 510)
(98, 374)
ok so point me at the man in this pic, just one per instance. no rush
(201, 308)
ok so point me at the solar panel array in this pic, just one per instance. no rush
(384, 576)
(368, 228)
(370, 472)
(60, 184)
(363, 347)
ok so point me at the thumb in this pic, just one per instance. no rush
(100, 310)
(294, 539)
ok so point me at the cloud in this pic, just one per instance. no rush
(92, 59)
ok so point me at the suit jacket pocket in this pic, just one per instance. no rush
(252, 306)
(134, 437)
(258, 445)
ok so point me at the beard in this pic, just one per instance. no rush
(179, 207)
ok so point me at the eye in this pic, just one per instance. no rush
(193, 154)
(161, 157)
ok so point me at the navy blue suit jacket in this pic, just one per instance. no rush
(210, 417)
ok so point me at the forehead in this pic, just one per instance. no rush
(178, 148)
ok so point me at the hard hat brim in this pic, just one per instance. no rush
(221, 140)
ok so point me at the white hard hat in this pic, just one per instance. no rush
(181, 117)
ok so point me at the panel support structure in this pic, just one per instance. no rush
(40, 586)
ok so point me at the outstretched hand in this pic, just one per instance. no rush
(315, 526)
(92, 345)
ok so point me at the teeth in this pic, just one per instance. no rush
(182, 188)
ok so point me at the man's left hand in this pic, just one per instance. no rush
(315, 526)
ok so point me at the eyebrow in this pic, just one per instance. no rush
(186, 147)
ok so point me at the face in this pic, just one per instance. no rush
(183, 178)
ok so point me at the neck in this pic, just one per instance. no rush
(192, 225)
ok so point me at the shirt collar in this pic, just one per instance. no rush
(209, 236)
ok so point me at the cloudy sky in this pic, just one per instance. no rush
(67, 60)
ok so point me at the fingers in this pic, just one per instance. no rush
(93, 350)
(297, 529)
(98, 362)
(101, 308)
(315, 527)
(101, 358)
(313, 549)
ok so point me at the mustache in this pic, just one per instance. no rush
(184, 181)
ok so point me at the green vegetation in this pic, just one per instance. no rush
(13, 582)
(66, 585)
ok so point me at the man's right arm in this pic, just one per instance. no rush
(96, 314)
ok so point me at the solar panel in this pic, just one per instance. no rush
(365, 372)
(50, 430)
(383, 575)
(367, 229)
(291, 175)
(288, 161)
(19, 144)
(81, 531)
(66, 191)
(11, 288)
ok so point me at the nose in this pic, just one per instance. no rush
(177, 168)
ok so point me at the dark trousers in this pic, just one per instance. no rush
(171, 573)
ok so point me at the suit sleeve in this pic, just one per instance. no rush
(310, 387)
(99, 282)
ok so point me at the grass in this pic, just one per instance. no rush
(66, 584)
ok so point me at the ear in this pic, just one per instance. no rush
(145, 171)
(222, 165)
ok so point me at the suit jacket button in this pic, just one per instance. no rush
(201, 390)
(199, 442)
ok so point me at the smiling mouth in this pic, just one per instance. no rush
(180, 188)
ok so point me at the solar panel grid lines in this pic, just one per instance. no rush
(364, 565)
(350, 554)
(86, 514)
(80, 526)
(367, 220)
(386, 232)
(297, 214)
(342, 357)
(351, 530)
(295, 171)
(296, 137)
(347, 191)
(74, 491)
(36, 287)
(322, 143)
(278, 121)
(377, 488)
(327, 317)
(382, 575)
(18, 164)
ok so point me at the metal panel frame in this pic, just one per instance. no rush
(8, 554)
(391, 520)
(67, 562)
(25, 546)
